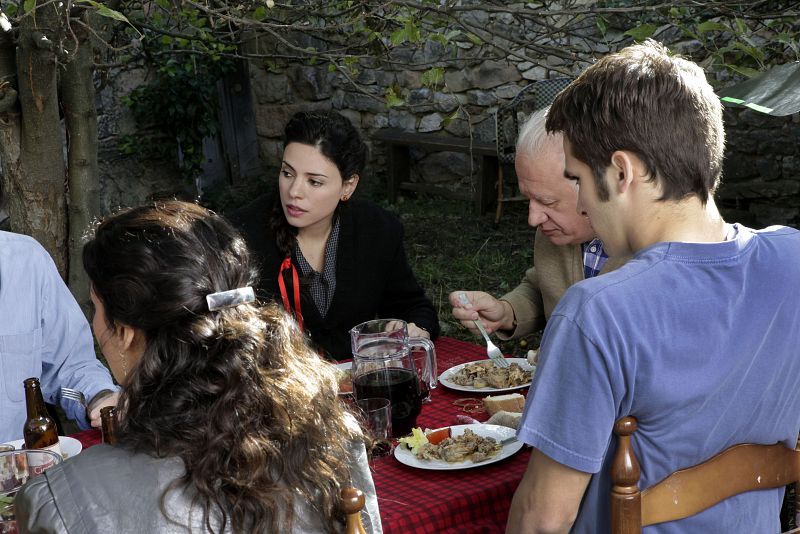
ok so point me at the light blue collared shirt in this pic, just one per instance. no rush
(43, 333)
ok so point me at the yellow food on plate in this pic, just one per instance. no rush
(416, 440)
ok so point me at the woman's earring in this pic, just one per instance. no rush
(124, 359)
(345, 197)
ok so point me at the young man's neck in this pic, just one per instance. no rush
(687, 221)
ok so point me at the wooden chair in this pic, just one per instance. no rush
(531, 98)
(352, 502)
(689, 491)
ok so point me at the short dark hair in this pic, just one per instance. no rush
(657, 105)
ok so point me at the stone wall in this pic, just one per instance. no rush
(762, 169)
(761, 176)
(127, 180)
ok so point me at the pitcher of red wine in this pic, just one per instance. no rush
(385, 366)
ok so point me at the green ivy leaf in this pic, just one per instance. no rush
(260, 13)
(746, 71)
(398, 37)
(710, 26)
(474, 39)
(787, 39)
(104, 11)
(392, 100)
(438, 38)
(642, 32)
(28, 6)
(752, 51)
(602, 25)
(450, 118)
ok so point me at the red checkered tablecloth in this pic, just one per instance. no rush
(468, 501)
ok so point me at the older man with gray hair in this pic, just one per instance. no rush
(565, 249)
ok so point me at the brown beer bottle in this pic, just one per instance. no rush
(40, 430)
(108, 420)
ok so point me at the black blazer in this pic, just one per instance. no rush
(373, 278)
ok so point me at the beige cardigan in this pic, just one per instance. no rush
(556, 267)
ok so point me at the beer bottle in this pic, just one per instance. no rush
(108, 420)
(40, 430)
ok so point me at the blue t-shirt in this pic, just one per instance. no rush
(698, 341)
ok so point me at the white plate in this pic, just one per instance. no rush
(499, 433)
(444, 378)
(69, 446)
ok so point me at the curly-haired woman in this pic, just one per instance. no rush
(230, 422)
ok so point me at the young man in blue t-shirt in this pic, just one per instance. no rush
(696, 336)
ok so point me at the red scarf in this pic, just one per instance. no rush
(298, 314)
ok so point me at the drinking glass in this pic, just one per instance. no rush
(16, 467)
(377, 415)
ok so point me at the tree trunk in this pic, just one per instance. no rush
(37, 193)
(80, 116)
(9, 117)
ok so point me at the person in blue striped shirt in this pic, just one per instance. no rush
(44, 334)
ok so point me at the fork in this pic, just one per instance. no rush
(491, 349)
(74, 395)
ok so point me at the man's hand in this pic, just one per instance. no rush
(495, 314)
(101, 400)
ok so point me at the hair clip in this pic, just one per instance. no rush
(228, 299)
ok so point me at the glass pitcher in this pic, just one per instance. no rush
(384, 366)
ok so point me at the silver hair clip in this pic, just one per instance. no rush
(227, 299)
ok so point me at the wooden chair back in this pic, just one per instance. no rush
(689, 491)
(352, 502)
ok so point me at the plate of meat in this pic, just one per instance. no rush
(484, 377)
(468, 446)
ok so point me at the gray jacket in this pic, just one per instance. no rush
(108, 489)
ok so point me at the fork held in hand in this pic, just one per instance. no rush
(74, 395)
(491, 349)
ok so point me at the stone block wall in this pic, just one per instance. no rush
(761, 176)
(761, 182)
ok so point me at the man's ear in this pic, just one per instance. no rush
(623, 167)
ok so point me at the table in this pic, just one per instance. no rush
(469, 501)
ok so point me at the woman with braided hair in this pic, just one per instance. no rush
(332, 260)
(230, 423)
